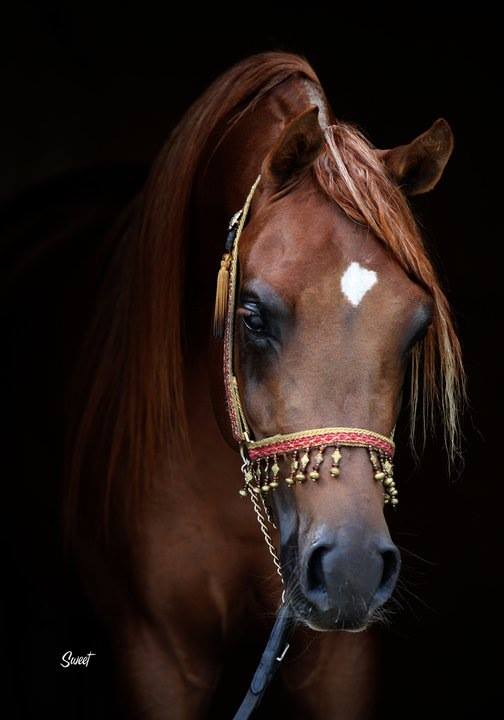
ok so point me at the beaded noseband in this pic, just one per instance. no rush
(297, 456)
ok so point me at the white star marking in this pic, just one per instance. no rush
(356, 281)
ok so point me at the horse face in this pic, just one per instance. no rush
(326, 319)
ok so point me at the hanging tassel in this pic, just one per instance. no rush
(221, 296)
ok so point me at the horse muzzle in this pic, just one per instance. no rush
(343, 578)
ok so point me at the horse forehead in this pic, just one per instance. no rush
(295, 251)
(297, 235)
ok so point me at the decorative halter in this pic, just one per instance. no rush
(298, 456)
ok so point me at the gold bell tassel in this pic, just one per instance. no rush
(221, 296)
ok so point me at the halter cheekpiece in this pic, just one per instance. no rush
(294, 457)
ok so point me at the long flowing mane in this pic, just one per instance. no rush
(130, 382)
(130, 393)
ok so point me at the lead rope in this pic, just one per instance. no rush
(278, 641)
(273, 654)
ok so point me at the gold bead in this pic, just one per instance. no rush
(334, 471)
(319, 458)
(289, 481)
(386, 500)
(387, 466)
(304, 461)
(394, 501)
(379, 476)
(248, 476)
(336, 456)
(256, 489)
(300, 477)
(243, 492)
(388, 481)
(265, 488)
(273, 484)
(275, 469)
(393, 491)
(314, 475)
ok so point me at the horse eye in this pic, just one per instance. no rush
(417, 338)
(252, 316)
(254, 322)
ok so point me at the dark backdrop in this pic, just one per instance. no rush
(88, 95)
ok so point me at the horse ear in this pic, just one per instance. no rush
(298, 147)
(417, 167)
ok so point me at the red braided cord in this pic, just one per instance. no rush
(355, 439)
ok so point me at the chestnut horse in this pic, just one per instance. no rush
(338, 304)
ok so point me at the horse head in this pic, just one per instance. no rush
(334, 295)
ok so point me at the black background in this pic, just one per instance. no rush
(88, 95)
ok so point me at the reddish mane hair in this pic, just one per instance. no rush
(131, 381)
(132, 417)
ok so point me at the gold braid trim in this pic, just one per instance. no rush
(274, 439)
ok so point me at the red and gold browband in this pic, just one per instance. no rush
(298, 455)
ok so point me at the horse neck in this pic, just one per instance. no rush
(220, 191)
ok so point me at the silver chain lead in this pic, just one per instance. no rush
(261, 520)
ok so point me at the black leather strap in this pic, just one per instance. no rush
(272, 656)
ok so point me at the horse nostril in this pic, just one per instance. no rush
(315, 578)
(391, 565)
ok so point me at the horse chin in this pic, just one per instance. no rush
(326, 626)
(329, 622)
